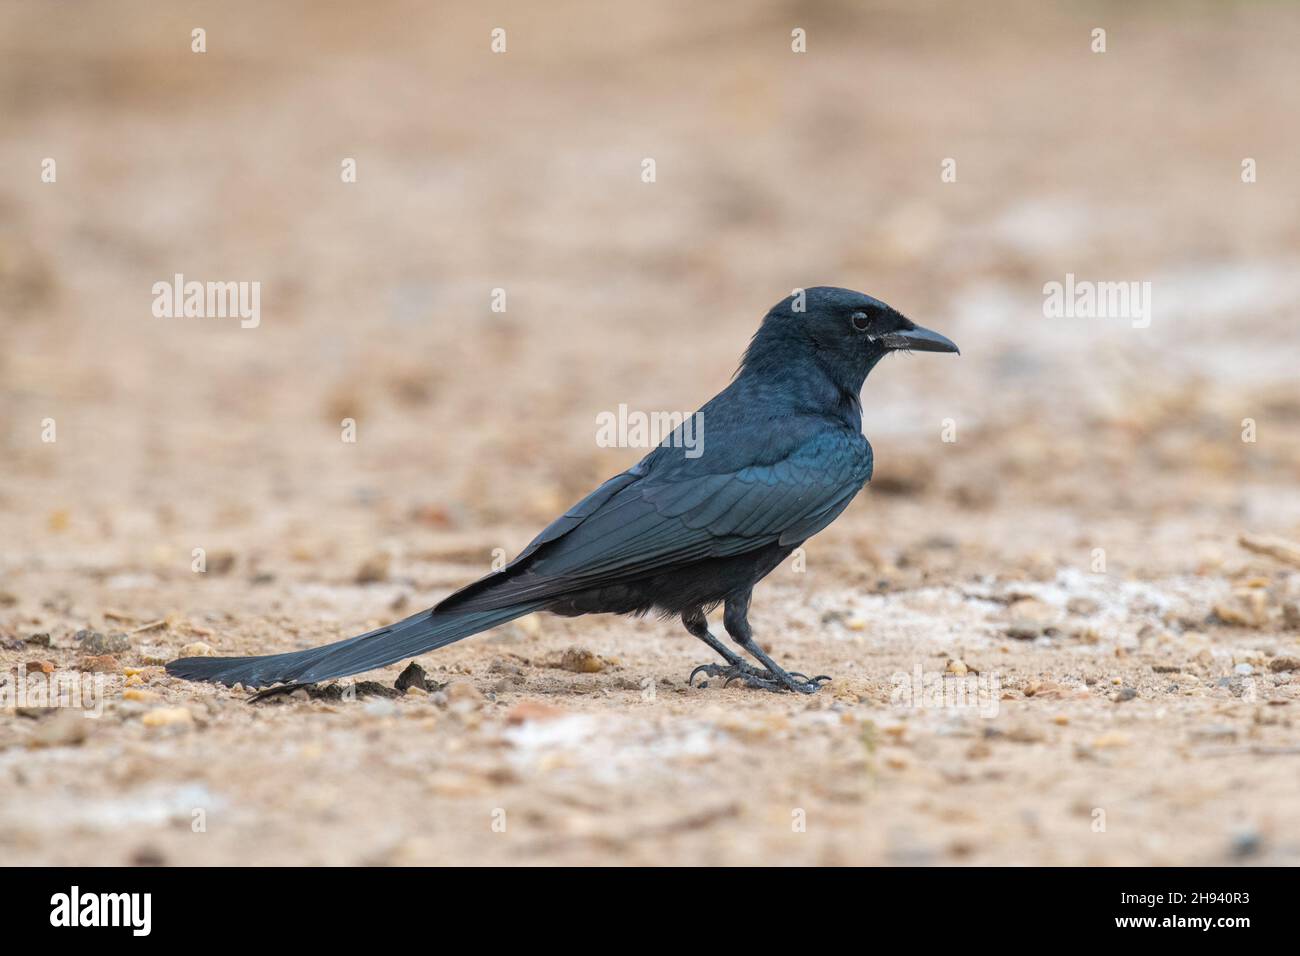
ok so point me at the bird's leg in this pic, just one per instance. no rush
(698, 625)
(736, 620)
(736, 668)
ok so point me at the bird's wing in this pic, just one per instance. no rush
(665, 517)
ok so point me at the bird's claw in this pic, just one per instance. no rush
(800, 683)
(709, 670)
(752, 676)
(759, 679)
(812, 685)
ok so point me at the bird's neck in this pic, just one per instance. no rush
(803, 385)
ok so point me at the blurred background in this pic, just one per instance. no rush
(774, 170)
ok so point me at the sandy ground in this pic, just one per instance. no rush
(1123, 676)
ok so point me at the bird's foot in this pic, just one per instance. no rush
(752, 676)
(759, 678)
(801, 683)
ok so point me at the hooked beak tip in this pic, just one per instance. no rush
(920, 339)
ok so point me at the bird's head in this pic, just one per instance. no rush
(844, 332)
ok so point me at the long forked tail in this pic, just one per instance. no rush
(413, 636)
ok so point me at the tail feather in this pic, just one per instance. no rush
(411, 637)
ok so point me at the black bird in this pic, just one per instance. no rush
(688, 527)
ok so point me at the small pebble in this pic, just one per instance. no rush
(412, 677)
(94, 644)
(1239, 685)
(101, 664)
(460, 690)
(373, 569)
(1083, 606)
(579, 660)
(168, 717)
(1031, 618)
(1025, 733)
(66, 728)
(197, 649)
(147, 856)
(1248, 608)
(527, 710)
(1246, 842)
(1291, 615)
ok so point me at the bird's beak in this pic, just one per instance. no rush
(918, 339)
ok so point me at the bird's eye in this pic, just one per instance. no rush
(861, 320)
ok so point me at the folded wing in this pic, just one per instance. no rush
(654, 518)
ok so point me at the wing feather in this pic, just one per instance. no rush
(637, 525)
